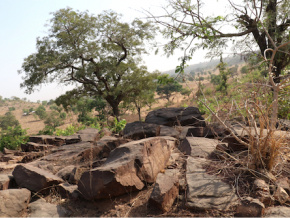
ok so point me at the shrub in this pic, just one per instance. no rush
(11, 108)
(13, 137)
(118, 126)
(41, 112)
(8, 120)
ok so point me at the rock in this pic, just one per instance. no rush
(63, 156)
(106, 144)
(283, 124)
(125, 169)
(34, 179)
(11, 158)
(8, 151)
(281, 195)
(4, 167)
(234, 145)
(169, 131)
(250, 207)
(5, 180)
(262, 191)
(32, 146)
(284, 183)
(105, 132)
(189, 131)
(198, 147)
(189, 116)
(45, 139)
(14, 202)
(207, 191)
(41, 208)
(165, 190)
(30, 156)
(67, 172)
(67, 190)
(279, 211)
(88, 135)
(139, 130)
(68, 140)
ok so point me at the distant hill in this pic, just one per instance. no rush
(208, 65)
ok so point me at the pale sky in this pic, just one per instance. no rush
(22, 21)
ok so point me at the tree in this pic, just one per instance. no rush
(99, 54)
(143, 94)
(41, 112)
(261, 25)
(8, 120)
(167, 86)
(224, 74)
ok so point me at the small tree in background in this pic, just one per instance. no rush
(167, 86)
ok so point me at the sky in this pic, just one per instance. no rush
(22, 21)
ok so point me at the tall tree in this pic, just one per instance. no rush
(167, 86)
(99, 54)
(261, 25)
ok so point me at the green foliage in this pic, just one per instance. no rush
(48, 130)
(41, 112)
(186, 91)
(8, 120)
(53, 119)
(11, 108)
(13, 137)
(167, 86)
(118, 126)
(99, 54)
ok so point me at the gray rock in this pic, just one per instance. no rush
(88, 135)
(125, 169)
(34, 179)
(41, 208)
(139, 130)
(207, 191)
(169, 131)
(165, 190)
(279, 211)
(198, 147)
(189, 116)
(32, 146)
(67, 190)
(14, 202)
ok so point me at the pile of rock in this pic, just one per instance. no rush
(168, 150)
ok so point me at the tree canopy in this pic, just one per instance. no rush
(99, 54)
(251, 26)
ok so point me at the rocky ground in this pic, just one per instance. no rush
(173, 164)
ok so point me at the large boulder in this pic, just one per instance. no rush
(189, 116)
(126, 168)
(34, 179)
(139, 130)
(280, 211)
(14, 202)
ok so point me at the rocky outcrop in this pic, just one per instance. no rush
(5, 180)
(34, 179)
(88, 135)
(180, 116)
(126, 168)
(280, 211)
(14, 202)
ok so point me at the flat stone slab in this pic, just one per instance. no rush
(207, 191)
(41, 208)
(34, 179)
(88, 135)
(13, 202)
(198, 147)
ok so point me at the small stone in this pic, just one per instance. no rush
(281, 195)
(250, 207)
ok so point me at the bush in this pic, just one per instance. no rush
(13, 137)
(41, 112)
(8, 120)
(118, 126)
(11, 108)
(53, 119)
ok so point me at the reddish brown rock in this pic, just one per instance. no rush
(32, 146)
(250, 207)
(33, 178)
(125, 169)
(165, 190)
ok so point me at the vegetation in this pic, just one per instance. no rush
(100, 54)
(167, 86)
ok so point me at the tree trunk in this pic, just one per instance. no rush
(114, 103)
(139, 113)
